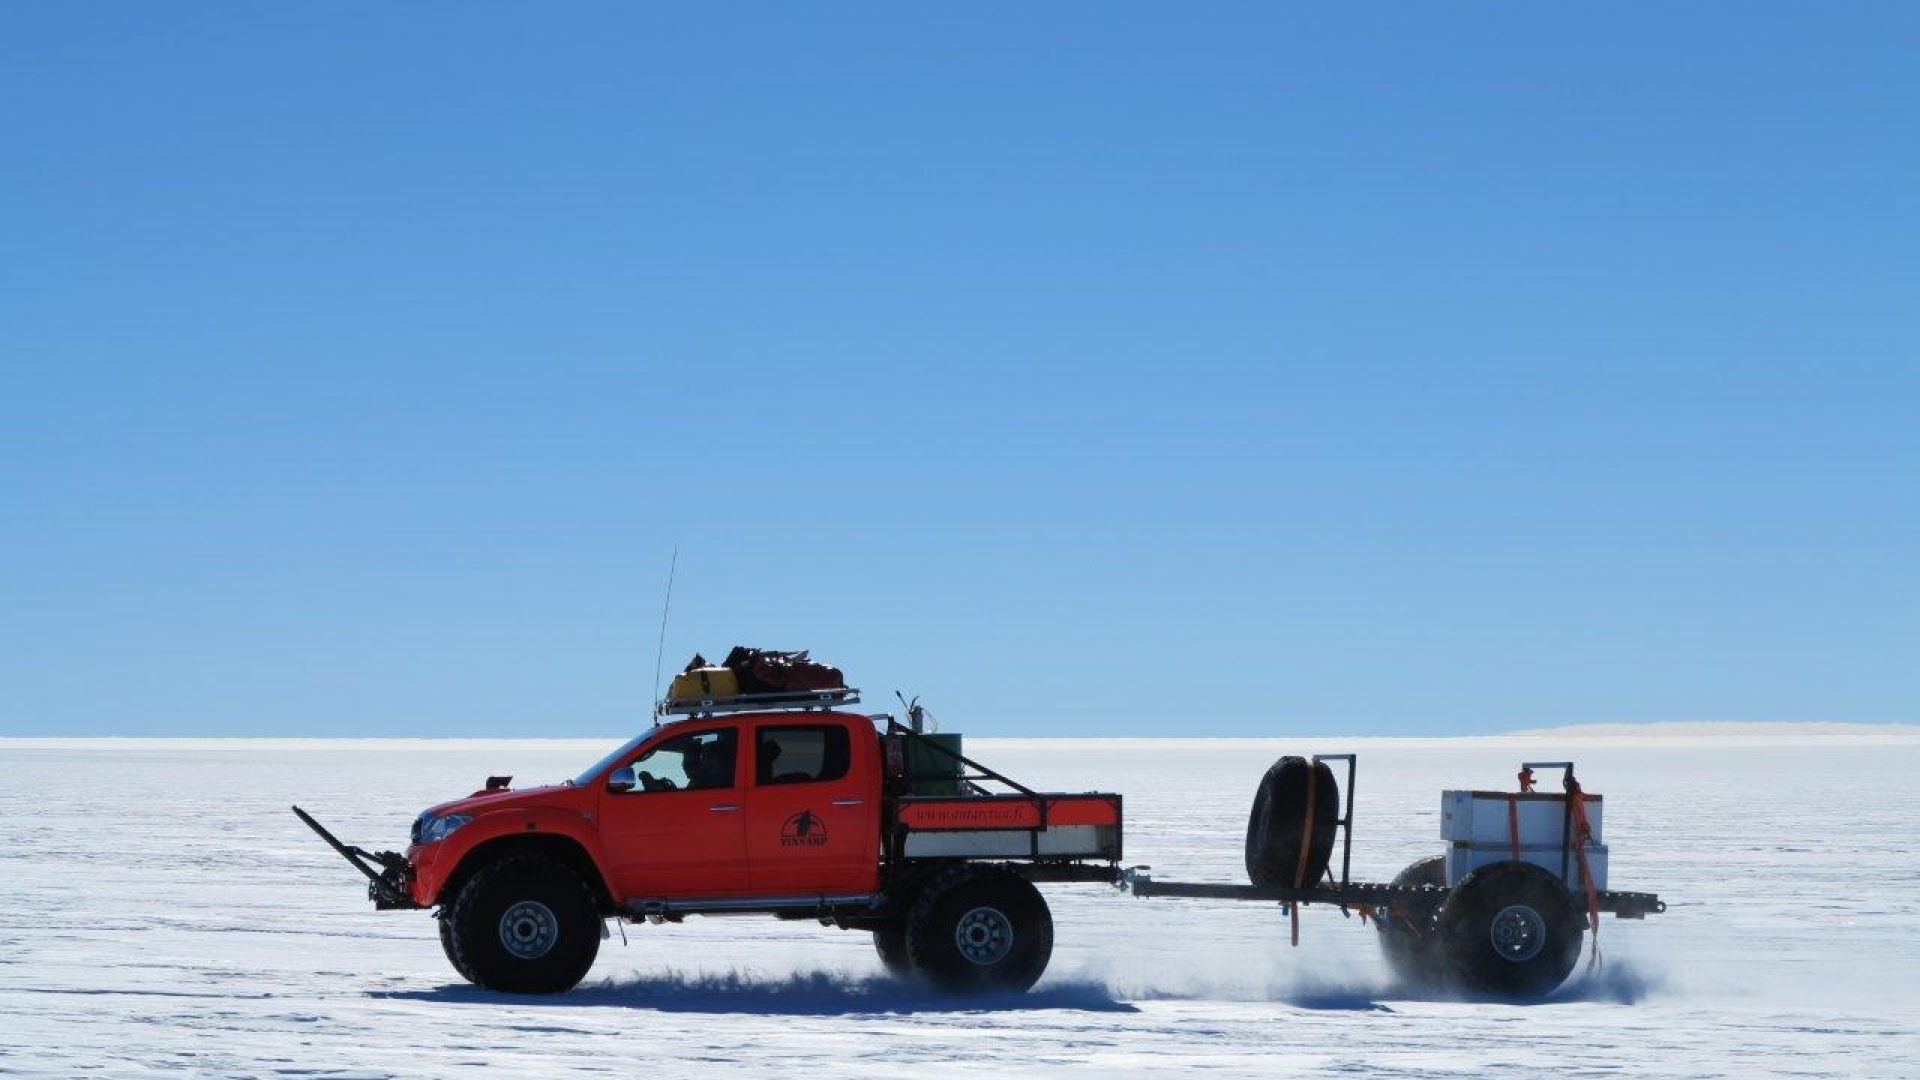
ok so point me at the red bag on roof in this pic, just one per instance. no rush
(766, 671)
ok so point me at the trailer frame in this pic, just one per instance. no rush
(1366, 896)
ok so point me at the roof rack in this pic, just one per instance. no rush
(801, 700)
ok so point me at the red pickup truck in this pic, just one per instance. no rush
(807, 814)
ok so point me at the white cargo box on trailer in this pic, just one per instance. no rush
(1483, 817)
(1463, 859)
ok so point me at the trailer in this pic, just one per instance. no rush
(1504, 910)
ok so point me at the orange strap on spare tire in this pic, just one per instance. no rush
(1306, 832)
(1306, 849)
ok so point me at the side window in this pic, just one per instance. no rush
(801, 754)
(702, 759)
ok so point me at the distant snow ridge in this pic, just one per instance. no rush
(1742, 733)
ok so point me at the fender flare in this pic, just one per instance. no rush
(503, 826)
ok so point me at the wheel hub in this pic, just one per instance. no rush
(528, 930)
(984, 935)
(1519, 933)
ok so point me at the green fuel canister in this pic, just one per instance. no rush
(930, 772)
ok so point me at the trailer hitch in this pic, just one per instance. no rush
(386, 887)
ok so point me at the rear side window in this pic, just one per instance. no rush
(801, 754)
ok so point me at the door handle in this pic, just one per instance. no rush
(848, 802)
(724, 808)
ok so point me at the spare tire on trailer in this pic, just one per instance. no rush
(1278, 825)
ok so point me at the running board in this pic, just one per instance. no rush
(749, 905)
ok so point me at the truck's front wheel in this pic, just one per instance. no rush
(445, 919)
(974, 929)
(525, 924)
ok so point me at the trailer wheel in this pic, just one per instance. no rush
(1511, 928)
(525, 924)
(976, 929)
(891, 943)
(1279, 818)
(1408, 940)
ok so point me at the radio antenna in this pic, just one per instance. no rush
(660, 650)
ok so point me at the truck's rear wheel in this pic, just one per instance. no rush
(891, 943)
(1512, 929)
(1408, 941)
(974, 929)
(525, 924)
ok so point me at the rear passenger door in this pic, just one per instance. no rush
(812, 824)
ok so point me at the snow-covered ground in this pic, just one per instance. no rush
(161, 913)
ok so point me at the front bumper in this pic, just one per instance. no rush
(424, 875)
(393, 889)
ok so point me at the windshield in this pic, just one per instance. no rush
(604, 763)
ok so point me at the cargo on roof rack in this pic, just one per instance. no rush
(741, 703)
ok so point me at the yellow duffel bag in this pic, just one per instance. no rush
(704, 684)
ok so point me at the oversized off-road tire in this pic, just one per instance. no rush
(1408, 941)
(891, 943)
(524, 924)
(1510, 929)
(445, 920)
(1275, 828)
(978, 929)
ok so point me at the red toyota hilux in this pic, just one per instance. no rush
(802, 811)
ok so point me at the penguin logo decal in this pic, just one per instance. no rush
(804, 829)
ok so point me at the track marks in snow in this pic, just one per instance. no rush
(805, 993)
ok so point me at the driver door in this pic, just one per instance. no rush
(680, 833)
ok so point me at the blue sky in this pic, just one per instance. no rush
(1085, 368)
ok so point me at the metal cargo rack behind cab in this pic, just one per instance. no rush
(1366, 896)
(1046, 833)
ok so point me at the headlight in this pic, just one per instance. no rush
(433, 829)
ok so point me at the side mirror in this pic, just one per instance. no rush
(622, 779)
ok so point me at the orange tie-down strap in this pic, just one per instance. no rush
(1306, 848)
(1582, 835)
